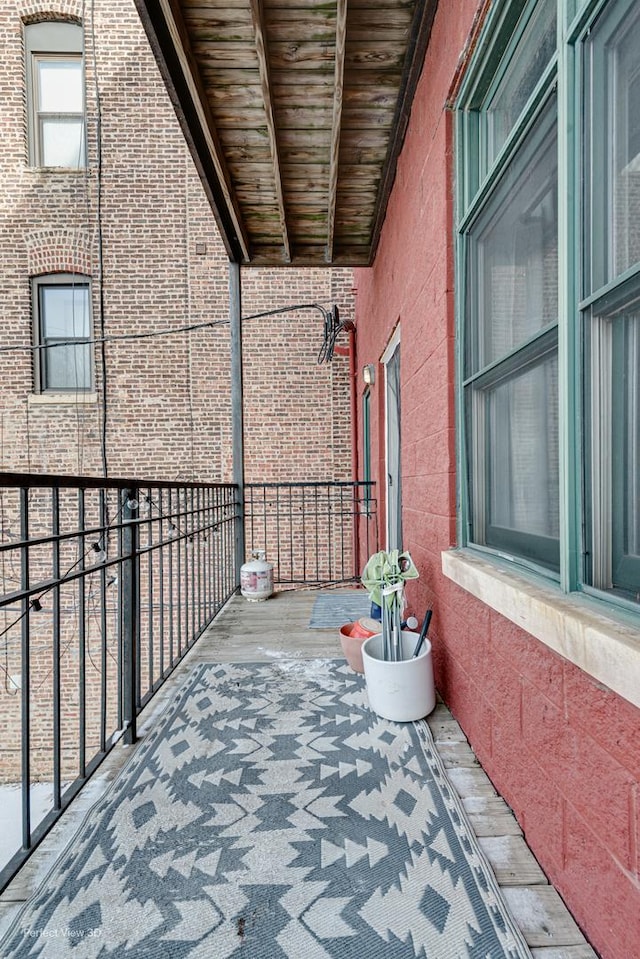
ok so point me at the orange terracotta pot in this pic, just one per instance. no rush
(352, 636)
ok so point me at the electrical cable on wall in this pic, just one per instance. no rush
(100, 238)
(188, 341)
(332, 328)
(91, 340)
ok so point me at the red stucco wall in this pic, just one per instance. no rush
(563, 750)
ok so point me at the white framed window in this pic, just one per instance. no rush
(55, 95)
(62, 325)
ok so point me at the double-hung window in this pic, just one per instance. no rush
(509, 248)
(62, 321)
(55, 95)
(610, 307)
(548, 283)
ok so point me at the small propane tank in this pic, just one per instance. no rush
(256, 577)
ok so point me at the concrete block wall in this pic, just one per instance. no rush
(560, 747)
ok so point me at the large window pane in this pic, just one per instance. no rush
(67, 367)
(535, 50)
(513, 263)
(65, 311)
(511, 366)
(612, 158)
(60, 86)
(626, 460)
(515, 468)
(613, 439)
(62, 142)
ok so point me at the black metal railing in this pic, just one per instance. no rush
(105, 586)
(313, 533)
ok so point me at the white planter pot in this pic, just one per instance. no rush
(402, 691)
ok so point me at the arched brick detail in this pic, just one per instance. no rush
(58, 251)
(30, 11)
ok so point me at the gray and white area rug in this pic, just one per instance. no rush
(272, 815)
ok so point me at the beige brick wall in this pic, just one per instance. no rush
(156, 261)
(162, 265)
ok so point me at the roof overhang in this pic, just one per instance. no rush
(294, 112)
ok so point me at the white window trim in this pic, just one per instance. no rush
(55, 279)
(62, 399)
(59, 38)
(390, 348)
(602, 644)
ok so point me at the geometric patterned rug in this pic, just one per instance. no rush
(336, 609)
(272, 815)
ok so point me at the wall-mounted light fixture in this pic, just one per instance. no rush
(369, 374)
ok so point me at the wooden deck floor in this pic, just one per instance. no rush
(279, 629)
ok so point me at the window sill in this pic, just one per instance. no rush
(46, 172)
(600, 643)
(62, 399)
(66, 170)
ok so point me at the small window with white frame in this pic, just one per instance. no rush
(55, 95)
(62, 327)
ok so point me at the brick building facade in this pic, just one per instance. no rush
(135, 221)
(134, 224)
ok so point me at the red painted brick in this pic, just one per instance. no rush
(525, 653)
(610, 720)
(600, 888)
(573, 749)
(503, 689)
(635, 830)
(427, 528)
(436, 489)
(455, 630)
(435, 452)
(431, 414)
(579, 767)
(474, 610)
(468, 705)
(539, 812)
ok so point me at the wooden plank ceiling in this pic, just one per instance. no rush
(294, 111)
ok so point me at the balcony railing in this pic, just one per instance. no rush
(312, 532)
(106, 585)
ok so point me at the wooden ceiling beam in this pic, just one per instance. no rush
(169, 40)
(334, 156)
(295, 112)
(257, 15)
(180, 37)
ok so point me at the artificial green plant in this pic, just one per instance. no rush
(384, 577)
